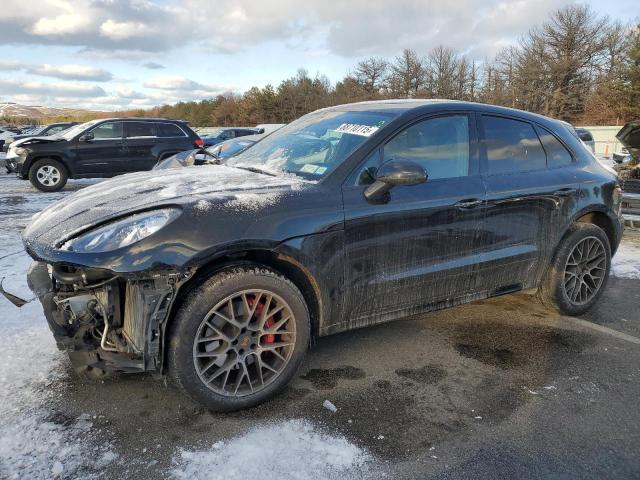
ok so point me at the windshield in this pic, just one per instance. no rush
(34, 130)
(312, 146)
(70, 133)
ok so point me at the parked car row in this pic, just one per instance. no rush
(350, 216)
(212, 155)
(50, 155)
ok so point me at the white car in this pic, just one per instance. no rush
(5, 133)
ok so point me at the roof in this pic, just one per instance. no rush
(154, 119)
(400, 106)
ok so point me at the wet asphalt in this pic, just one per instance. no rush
(501, 388)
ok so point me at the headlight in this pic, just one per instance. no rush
(122, 233)
(21, 151)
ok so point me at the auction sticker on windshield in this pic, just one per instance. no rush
(355, 129)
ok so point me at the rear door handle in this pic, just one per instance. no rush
(469, 203)
(565, 192)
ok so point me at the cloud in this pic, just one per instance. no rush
(173, 82)
(349, 29)
(66, 24)
(64, 72)
(49, 89)
(123, 30)
(175, 88)
(71, 72)
(153, 66)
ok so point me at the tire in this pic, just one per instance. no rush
(48, 175)
(226, 376)
(559, 288)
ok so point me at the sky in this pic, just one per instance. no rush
(117, 54)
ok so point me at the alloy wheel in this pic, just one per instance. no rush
(585, 270)
(244, 342)
(48, 175)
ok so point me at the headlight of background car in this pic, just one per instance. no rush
(122, 232)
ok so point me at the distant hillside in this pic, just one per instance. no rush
(17, 113)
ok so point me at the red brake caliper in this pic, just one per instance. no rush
(269, 338)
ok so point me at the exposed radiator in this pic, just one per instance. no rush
(135, 313)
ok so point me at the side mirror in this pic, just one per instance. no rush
(395, 173)
(86, 137)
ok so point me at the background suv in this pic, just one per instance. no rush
(100, 148)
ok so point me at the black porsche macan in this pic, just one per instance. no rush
(350, 216)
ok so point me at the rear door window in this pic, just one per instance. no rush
(440, 145)
(512, 145)
(140, 130)
(557, 154)
(108, 131)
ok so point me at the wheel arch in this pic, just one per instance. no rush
(602, 220)
(56, 157)
(283, 264)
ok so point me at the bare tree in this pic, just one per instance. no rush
(407, 75)
(371, 73)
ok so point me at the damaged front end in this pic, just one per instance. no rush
(105, 322)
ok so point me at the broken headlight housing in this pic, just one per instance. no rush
(121, 233)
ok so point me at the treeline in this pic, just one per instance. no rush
(576, 66)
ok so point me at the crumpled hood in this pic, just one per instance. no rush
(202, 188)
(629, 136)
(34, 140)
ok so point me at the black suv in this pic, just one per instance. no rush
(100, 148)
(347, 217)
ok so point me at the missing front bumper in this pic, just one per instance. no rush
(105, 323)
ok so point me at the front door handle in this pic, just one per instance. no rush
(469, 203)
(565, 192)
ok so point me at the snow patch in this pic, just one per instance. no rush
(252, 202)
(626, 262)
(35, 441)
(294, 449)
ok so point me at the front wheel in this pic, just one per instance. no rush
(239, 338)
(578, 274)
(48, 175)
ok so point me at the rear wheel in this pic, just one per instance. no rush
(48, 175)
(239, 338)
(579, 272)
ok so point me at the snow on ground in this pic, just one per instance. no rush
(290, 450)
(626, 261)
(32, 370)
(34, 444)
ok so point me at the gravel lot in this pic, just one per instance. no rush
(497, 389)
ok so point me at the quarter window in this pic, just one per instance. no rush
(366, 173)
(440, 145)
(108, 130)
(557, 154)
(140, 129)
(169, 130)
(512, 145)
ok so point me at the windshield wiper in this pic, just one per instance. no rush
(256, 170)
